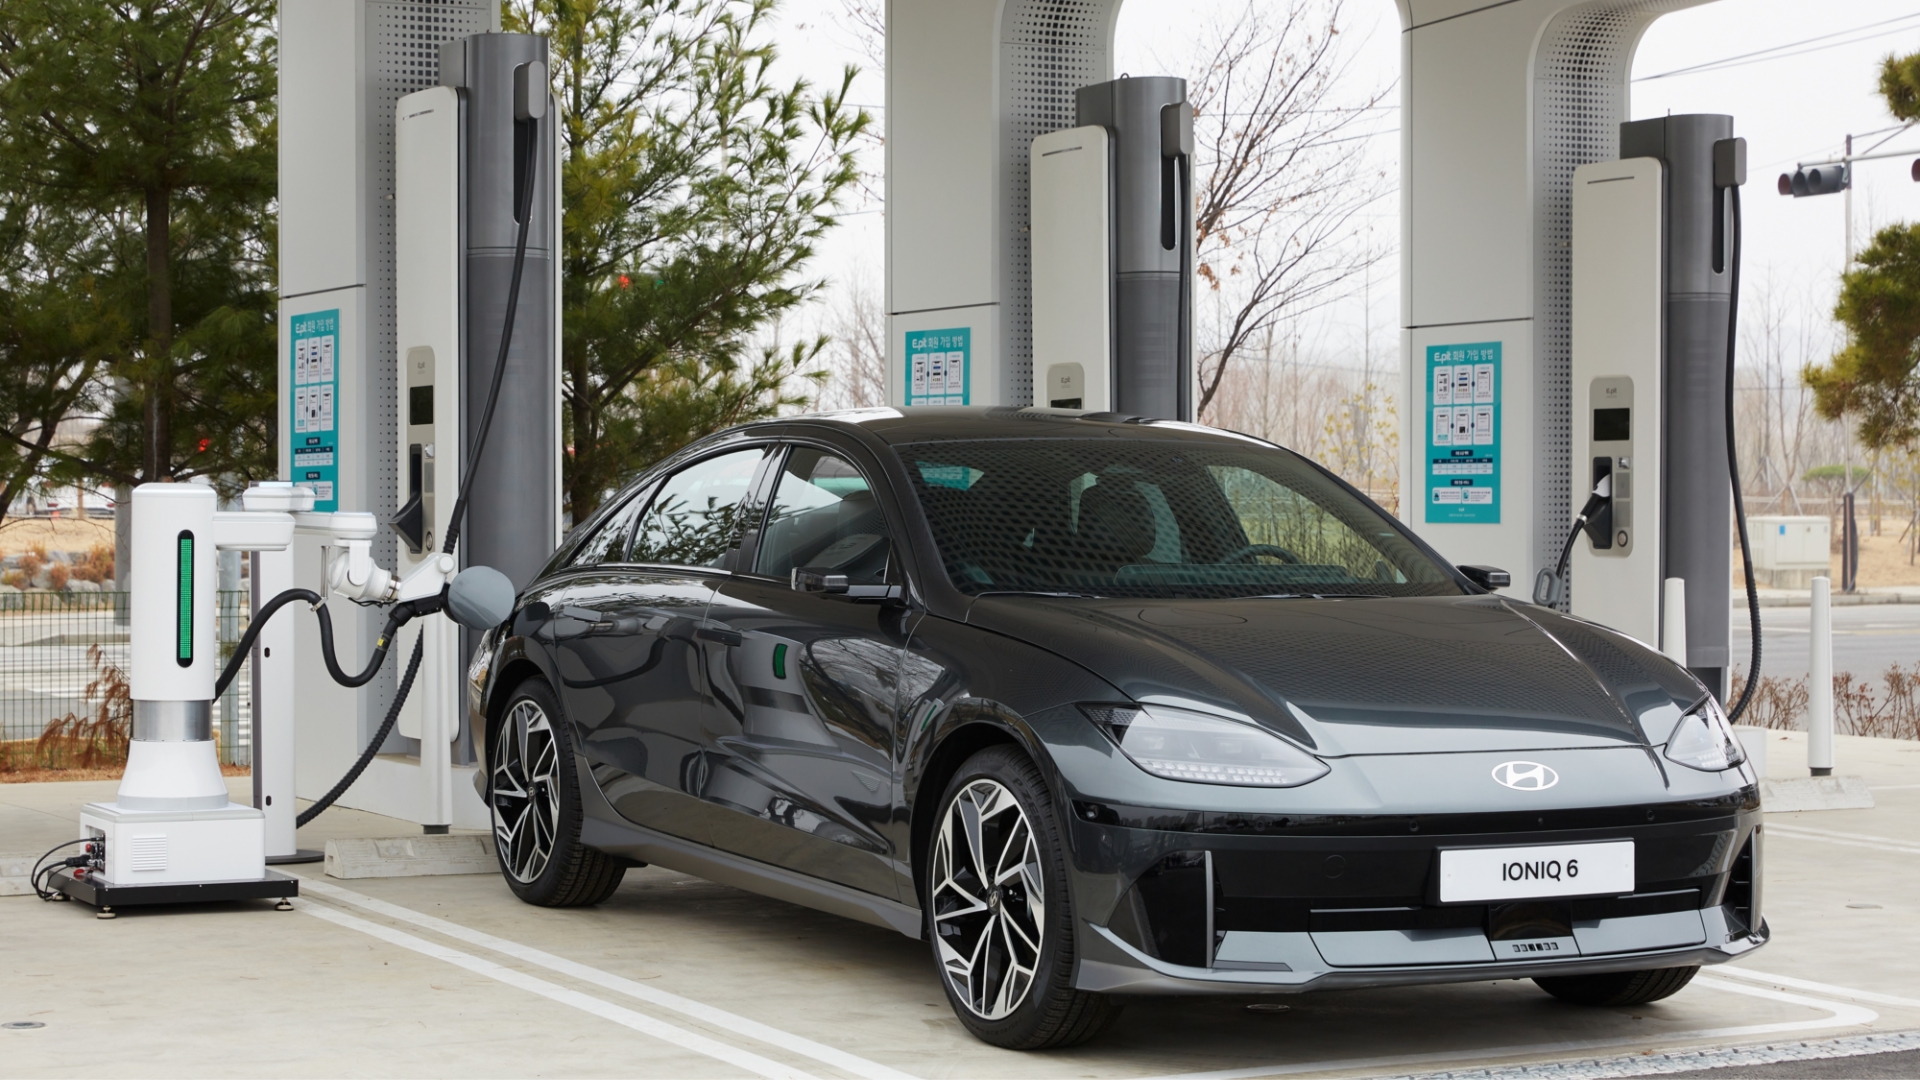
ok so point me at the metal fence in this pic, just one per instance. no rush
(45, 666)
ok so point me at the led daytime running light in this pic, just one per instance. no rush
(1203, 748)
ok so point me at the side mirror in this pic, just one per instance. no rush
(1487, 577)
(804, 580)
(813, 581)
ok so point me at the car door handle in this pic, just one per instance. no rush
(718, 636)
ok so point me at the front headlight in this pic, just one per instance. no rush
(478, 665)
(1704, 740)
(1203, 748)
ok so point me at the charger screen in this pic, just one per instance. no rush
(1612, 425)
(420, 404)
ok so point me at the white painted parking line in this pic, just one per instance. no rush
(1687, 1060)
(1839, 1015)
(640, 1022)
(766, 1033)
(1785, 981)
(1859, 840)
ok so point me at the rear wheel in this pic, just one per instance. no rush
(998, 907)
(1618, 987)
(534, 795)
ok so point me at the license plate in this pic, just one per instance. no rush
(1525, 873)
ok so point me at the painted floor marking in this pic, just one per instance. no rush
(1785, 981)
(640, 1022)
(1687, 1060)
(721, 1018)
(1839, 1015)
(1860, 840)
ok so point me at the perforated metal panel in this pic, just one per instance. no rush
(1048, 50)
(1580, 100)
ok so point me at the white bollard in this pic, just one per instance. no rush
(1673, 620)
(1820, 680)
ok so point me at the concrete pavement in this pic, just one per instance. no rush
(675, 976)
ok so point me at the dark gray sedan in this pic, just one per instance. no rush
(1097, 707)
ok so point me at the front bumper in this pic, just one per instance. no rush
(1238, 905)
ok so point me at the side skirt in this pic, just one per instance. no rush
(605, 830)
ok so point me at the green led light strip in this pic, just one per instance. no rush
(184, 598)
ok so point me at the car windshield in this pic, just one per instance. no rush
(1156, 519)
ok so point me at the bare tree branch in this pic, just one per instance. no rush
(1281, 175)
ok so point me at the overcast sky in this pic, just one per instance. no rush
(1794, 105)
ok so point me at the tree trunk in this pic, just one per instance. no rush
(581, 498)
(156, 459)
(122, 546)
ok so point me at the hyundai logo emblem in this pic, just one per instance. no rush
(1525, 775)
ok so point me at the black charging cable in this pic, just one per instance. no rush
(42, 867)
(1733, 465)
(523, 212)
(1551, 585)
(373, 745)
(399, 616)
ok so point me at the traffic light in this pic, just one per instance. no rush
(1820, 180)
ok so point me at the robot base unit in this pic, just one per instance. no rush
(171, 833)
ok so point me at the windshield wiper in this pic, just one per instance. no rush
(1314, 596)
(1038, 592)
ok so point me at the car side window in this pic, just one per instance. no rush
(824, 517)
(695, 519)
(609, 542)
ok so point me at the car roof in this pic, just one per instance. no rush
(934, 423)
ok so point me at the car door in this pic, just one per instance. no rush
(803, 683)
(625, 638)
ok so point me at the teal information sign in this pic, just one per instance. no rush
(316, 385)
(940, 367)
(1463, 433)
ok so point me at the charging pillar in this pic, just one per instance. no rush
(1697, 519)
(343, 66)
(461, 172)
(1651, 249)
(1112, 252)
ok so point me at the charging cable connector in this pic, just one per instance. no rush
(1551, 585)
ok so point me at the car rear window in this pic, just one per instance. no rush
(1157, 518)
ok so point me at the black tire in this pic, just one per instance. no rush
(1618, 987)
(1049, 1012)
(538, 805)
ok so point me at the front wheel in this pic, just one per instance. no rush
(997, 904)
(533, 794)
(1618, 987)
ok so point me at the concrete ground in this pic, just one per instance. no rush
(678, 977)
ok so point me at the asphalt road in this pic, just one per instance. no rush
(1867, 639)
(1900, 1065)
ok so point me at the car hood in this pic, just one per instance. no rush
(1375, 675)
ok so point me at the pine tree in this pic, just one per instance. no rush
(151, 121)
(693, 189)
(1872, 378)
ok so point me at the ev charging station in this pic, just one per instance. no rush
(403, 161)
(1566, 286)
(419, 226)
(1001, 182)
(1653, 252)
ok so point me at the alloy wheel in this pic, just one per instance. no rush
(989, 899)
(526, 792)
